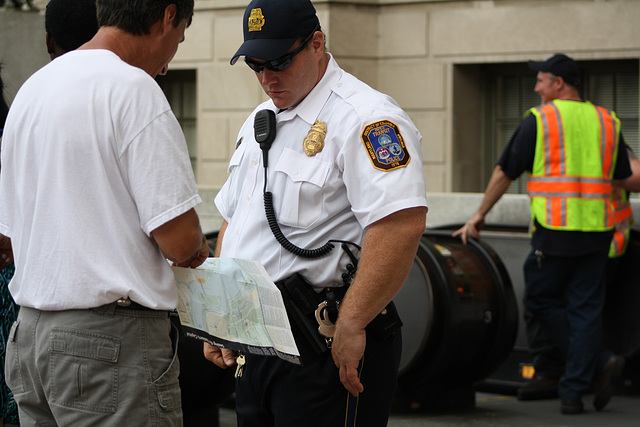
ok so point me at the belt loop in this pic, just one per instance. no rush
(108, 309)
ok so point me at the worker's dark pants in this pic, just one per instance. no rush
(566, 294)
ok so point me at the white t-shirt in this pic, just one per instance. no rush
(334, 193)
(93, 160)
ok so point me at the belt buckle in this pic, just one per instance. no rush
(123, 302)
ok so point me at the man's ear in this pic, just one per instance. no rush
(169, 18)
(317, 42)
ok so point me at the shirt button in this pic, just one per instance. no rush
(297, 175)
(255, 160)
(248, 197)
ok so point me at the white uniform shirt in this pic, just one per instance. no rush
(334, 194)
(93, 160)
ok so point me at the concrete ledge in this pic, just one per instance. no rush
(444, 209)
(511, 209)
(457, 208)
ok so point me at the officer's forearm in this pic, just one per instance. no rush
(388, 251)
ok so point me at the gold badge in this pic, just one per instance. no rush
(256, 20)
(314, 141)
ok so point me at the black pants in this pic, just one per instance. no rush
(275, 393)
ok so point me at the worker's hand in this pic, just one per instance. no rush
(222, 357)
(347, 350)
(472, 227)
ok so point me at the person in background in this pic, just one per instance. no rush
(344, 167)
(17, 5)
(4, 106)
(96, 193)
(68, 23)
(549, 362)
(570, 148)
(8, 308)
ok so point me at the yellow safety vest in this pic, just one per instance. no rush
(576, 151)
(623, 216)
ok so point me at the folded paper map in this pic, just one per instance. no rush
(233, 303)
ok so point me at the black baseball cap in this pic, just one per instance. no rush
(559, 65)
(271, 27)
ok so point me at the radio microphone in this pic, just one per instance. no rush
(264, 128)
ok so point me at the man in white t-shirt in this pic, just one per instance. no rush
(96, 193)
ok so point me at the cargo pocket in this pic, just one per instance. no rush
(83, 368)
(13, 374)
(168, 385)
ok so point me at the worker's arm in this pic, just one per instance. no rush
(498, 185)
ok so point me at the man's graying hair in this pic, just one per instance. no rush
(137, 16)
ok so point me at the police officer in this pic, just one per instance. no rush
(345, 165)
(571, 150)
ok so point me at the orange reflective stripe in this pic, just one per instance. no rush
(553, 137)
(609, 137)
(565, 186)
(623, 219)
(556, 211)
(622, 213)
(621, 209)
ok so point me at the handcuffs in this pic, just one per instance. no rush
(326, 328)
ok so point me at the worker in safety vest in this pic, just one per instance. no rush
(570, 149)
(548, 359)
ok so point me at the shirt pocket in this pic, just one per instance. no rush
(299, 193)
(237, 156)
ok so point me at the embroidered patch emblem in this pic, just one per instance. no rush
(314, 141)
(256, 20)
(385, 145)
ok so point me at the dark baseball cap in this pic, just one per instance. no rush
(271, 27)
(559, 65)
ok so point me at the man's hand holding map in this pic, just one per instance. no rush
(233, 303)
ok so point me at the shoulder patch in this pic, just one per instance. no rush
(385, 146)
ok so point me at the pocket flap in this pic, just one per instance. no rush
(84, 344)
(302, 168)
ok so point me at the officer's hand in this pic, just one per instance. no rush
(347, 351)
(222, 357)
(472, 227)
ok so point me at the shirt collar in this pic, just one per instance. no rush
(310, 107)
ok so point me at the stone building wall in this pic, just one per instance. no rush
(413, 50)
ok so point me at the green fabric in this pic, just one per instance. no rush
(9, 313)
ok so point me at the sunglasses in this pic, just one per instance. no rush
(281, 63)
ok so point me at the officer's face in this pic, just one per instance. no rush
(288, 87)
(546, 86)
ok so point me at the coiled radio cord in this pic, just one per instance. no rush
(281, 238)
